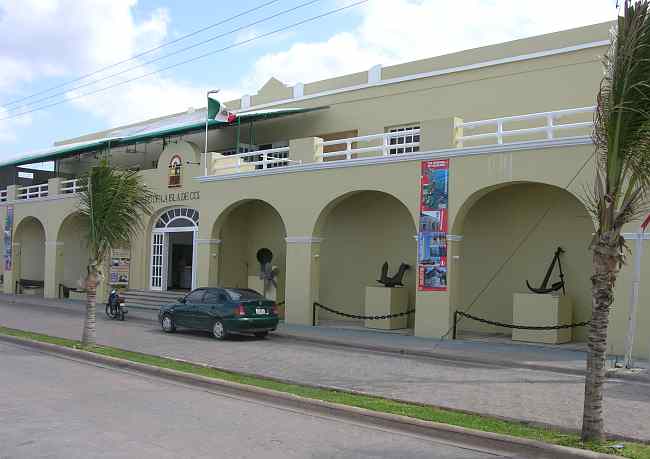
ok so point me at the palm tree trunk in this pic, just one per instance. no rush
(89, 337)
(606, 258)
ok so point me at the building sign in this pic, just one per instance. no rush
(432, 233)
(175, 197)
(9, 225)
(120, 263)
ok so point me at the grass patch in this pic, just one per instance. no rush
(426, 413)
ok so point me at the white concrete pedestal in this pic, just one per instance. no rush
(257, 284)
(381, 301)
(77, 295)
(541, 310)
(34, 291)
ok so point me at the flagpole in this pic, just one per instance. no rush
(207, 118)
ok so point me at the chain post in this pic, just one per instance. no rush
(453, 336)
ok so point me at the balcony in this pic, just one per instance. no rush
(446, 137)
(426, 137)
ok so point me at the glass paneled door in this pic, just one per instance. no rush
(159, 243)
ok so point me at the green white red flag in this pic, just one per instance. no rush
(219, 112)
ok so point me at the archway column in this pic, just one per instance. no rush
(53, 268)
(207, 259)
(434, 311)
(302, 281)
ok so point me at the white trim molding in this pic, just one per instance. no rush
(54, 243)
(636, 236)
(454, 237)
(303, 240)
(434, 73)
(419, 156)
(209, 241)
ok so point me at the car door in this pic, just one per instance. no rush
(207, 311)
(187, 315)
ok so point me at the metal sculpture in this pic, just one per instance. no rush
(543, 289)
(268, 273)
(397, 279)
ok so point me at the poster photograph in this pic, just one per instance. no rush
(433, 228)
(8, 241)
(120, 264)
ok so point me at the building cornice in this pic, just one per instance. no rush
(303, 240)
(434, 73)
(420, 156)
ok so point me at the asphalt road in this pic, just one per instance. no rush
(540, 396)
(53, 407)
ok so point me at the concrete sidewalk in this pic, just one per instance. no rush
(563, 359)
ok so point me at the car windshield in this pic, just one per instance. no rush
(243, 294)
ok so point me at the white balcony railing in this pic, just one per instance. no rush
(71, 186)
(32, 192)
(546, 125)
(3, 195)
(384, 145)
(252, 160)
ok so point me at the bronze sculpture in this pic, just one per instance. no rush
(397, 279)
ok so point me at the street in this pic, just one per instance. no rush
(63, 408)
(541, 396)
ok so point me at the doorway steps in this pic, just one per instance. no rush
(147, 299)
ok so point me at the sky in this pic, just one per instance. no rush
(51, 45)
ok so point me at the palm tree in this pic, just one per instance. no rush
(112, 204)
(620, 195)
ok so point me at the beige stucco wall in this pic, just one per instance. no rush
(31, 249)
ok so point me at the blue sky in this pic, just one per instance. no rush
(50, 42)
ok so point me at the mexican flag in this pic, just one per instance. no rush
(218, 111)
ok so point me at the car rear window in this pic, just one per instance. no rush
(243, 294)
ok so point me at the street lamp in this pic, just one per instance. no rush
(207, 118)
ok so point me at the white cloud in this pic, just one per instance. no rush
(68, 38)
(393, 31)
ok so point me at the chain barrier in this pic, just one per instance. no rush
(519, 327)
(357, 316)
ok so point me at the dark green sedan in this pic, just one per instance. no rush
(222, 311)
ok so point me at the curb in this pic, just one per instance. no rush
(437, 431)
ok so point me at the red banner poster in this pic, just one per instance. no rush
(432, 233)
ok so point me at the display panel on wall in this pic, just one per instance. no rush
(432, 233)
(120, 262)
(8, 232)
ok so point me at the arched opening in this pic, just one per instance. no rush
(244, 229)
(360, 232)
(30, 241)
(72, 255)
(493, 224)
(173, 249)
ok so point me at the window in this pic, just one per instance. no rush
(403, 137)
(195, 297)
(243, 294)
(175, 168)
(211, 297)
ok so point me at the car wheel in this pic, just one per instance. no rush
(219, 331)
(262, 335)
(168, 324)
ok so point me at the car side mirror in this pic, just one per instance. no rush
(181, 300)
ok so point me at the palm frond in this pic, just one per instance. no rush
(114, 203)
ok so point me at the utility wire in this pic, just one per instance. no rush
(143, 53)
(196, 58)
(527, 236)
(179, 51)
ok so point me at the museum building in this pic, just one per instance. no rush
(468, 167)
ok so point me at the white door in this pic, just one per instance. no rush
(159, 248)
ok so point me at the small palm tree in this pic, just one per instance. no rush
(112, 204)
(620, 194)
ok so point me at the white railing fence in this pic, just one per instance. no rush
(406, 141)
(546, 125)
(32, 192)
(252, 160)
(3, 195)
(71, 186)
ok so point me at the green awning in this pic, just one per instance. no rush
(168, 127)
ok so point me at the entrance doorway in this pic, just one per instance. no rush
(173, 250)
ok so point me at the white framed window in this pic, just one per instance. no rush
(404, 136)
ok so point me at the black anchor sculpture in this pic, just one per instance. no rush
(395, 280)
(542, 289)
